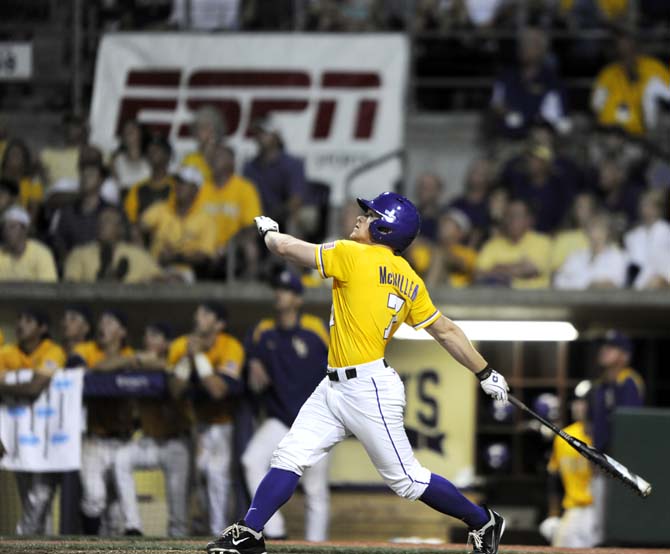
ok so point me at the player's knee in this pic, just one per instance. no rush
(406, 488)
(282, 459)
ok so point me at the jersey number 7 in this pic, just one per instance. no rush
(395, 303)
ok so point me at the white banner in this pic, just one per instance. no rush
(45, 435)
(16, 61)
(338, 99)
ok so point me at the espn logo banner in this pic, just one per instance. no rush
(44, 435)
(338, 99)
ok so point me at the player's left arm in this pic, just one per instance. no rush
(452, 338)
(286, 246)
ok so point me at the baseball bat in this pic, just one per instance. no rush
(595, 456)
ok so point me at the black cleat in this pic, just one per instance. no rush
(486, 539)
(238, 539)
(133, 533)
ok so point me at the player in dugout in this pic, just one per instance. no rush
(287, 357)
(109, 420)
(207, 366)
(165, 442)
(374, 291)
(576, 527)
(34, 350)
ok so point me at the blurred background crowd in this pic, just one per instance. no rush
(568, 188)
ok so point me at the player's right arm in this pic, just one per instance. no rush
(286, 246)
(452, 338)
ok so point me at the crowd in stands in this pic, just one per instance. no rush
(546, 202)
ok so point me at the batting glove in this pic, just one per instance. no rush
(265, 224)
(493, 383)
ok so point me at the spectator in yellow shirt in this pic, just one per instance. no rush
(452, 263)
(519, 257)
(181, 232)
(626, 92)
(159, 186)
(62, 161)
(208, 130)
(573, 238)
(233, 202)
(109, 258)
(33, 350)
(17, 165)
(21, 258)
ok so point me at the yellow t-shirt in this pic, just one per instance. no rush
(619, 101)
(46, 359)
(196, 159)
(374, 291)
(574, 469)
(535, 247)
(233, 206)
(35, 264)
(146, 193)
(566, 243)
(188, 234)
(31, 191)
(106, 417)
(83, 263)
(227, 358)
(60, 163)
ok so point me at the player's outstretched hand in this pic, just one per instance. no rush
(493, 383)
(265, 224)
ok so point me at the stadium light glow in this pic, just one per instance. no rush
(548, 331)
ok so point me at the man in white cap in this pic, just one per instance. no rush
(182, 234)
(22, 258)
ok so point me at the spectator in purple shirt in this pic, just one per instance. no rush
(618, 194)
(536, 179)
(278, 176)
(530, 90)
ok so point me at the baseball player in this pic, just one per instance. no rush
(577, 526)
(287, 359)
(374, 291)
(33, 350)
(165, 425)
(109, 420)
(207, 364)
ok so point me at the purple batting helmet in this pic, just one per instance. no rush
(399, 223)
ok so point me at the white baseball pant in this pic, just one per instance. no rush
(172, 456)
(36, 491)
(99, 490)
(577, 529)
(370, 407)
(213, 461)
(256, 461)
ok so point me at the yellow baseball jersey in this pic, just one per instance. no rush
(374, 291)
(574, 469)
(227, 357)
(617, 100)
(233, 206)
(46, 359)
(107, 417)
(190, 233)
